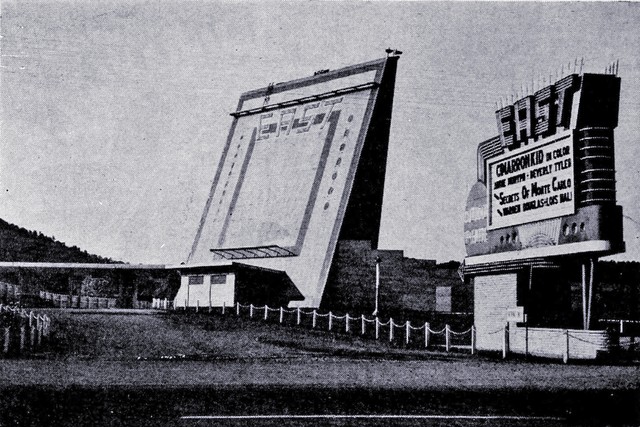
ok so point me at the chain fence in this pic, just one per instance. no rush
(420, 335)
(371, 327)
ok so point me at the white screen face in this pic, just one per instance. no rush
(532, 184)
(271, 178)
(285, 177)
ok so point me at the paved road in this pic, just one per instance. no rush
(306, 406)
(311, 392)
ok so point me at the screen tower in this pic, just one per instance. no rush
(303, 166)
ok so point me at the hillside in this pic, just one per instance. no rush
(19, 244)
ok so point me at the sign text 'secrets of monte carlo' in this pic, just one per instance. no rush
(542, 211)
(533, 185)
(548, 178)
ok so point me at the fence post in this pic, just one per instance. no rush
(224, 307)
(621, 326)
(346, 323)
(408, 331)
(32, 336)
(390, 329)
(565, 356)
(473, 339)
(505, 341)
(447, 345)
(377, 328)
(7, 338)
(250, 310)
(362, 326)
(330, 320)
(197, 305)
(313, 319)
(22, 337)
(237, 309)
(210, 305)
(298, 316)
(185, 304)
(426, 334)
(266, 312)
(281, 314)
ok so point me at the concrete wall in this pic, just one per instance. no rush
(406, 284)
(493, 294)
(551, 342)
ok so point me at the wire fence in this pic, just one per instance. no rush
(628, 333)
(625, 327)
(22, 331)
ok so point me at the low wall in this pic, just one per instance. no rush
(558, 343)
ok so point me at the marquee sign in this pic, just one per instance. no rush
(531, 185)
(546, 182)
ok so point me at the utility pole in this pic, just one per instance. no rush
(375, 312)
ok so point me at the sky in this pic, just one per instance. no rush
(114, 113)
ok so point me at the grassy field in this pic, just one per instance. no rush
(192, 336)
(149, 370)
(199, 349)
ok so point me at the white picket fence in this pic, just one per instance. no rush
(22, 331)
(161, 304)
(66, 301)
(9, 292)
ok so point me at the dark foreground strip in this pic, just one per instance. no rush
(159, 406)
(370, 417)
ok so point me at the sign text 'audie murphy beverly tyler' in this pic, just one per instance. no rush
(533, 184)
(546, 181)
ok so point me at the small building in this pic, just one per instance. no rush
(230, 283)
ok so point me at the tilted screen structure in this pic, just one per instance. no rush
(303, 166)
